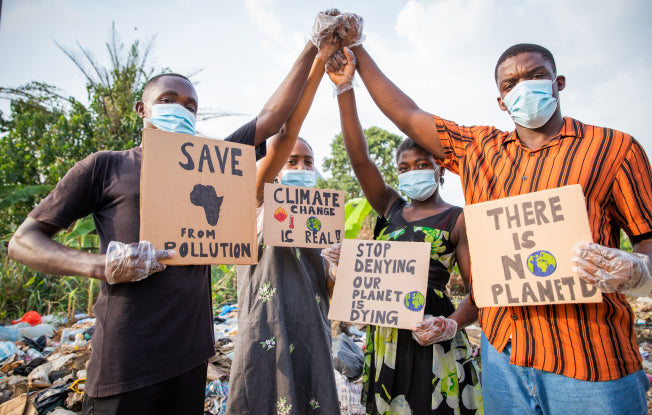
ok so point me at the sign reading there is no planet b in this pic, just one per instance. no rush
(521, 247)
(198, 197)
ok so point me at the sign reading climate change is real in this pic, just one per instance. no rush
(521, 248)
(302, 216)
(381, 283)
(198, 197)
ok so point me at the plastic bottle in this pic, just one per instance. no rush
(65, 336)
(79, 341)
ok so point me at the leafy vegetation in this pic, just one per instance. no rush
(382, 149)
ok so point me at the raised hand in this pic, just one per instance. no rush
(350, 29)
(133, 262)
(341, 69)
(324, 28)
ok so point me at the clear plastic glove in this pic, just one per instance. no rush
(341, 69)
(350, 30)
(432, 330)
(133, 262)
(34, 332)
(326, 23)
(332, 256)
(612, 270)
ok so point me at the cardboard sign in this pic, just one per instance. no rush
(198, 197)
(521, 248)
(302, 216)
(381, 283)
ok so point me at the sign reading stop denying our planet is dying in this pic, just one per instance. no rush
(521, 248)
(381, 283)
(302, 216)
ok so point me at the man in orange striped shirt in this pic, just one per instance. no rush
(550, 359)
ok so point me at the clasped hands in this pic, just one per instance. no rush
(334, 34)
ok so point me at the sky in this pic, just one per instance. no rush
(440, 53)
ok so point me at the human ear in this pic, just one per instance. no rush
(501, 104)
(561, 82)
(140, 109)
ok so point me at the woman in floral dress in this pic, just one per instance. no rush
(429, 369)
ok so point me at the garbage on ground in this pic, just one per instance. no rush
(45, 374)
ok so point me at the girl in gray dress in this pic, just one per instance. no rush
(282, 362)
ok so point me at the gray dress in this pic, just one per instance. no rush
(282, 362)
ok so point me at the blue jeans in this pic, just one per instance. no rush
(510, 389)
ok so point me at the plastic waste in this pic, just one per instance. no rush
(31, 317)
(7, 349)
(347, 357)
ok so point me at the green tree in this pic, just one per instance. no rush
(41, 138)
(46, 133)
(382, 149)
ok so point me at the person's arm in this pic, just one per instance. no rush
(280, 146)
(32, 245)
(280, 105)
(417, 124)
(435, 329)
(466, 312)
(380, 195)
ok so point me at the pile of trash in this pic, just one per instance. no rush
(42, 364)
(43, 361)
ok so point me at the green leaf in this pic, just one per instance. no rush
(355, 211)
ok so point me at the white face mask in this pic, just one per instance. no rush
(173, 118)
(530, 103)
(295, 177)
(418, 184)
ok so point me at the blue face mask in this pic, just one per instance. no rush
(173, 118)
(303, 178)
(530, 103)
(418, 184)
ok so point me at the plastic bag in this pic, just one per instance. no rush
(348, 357)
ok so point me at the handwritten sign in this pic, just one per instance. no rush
(198, 197)
(381, 283)
(302, 216)
(521, 248)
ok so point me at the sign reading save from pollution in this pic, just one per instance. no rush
(302, 216)
(198, 197)
(381, 283)
(521, 248)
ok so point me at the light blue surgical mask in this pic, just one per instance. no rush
(530, 103)
(303, 178)
(418, 184)
(173, 118)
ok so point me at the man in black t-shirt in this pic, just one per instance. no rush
(153, 335)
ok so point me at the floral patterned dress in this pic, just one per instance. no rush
(282, 363)
(402, 377)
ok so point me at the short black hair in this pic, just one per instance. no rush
(153, 80)
(525, 48)
(306, 143)
(408, 144)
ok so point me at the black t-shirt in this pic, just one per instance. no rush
(146, 331)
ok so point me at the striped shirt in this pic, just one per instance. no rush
(594, 342)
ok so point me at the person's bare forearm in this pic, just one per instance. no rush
(280, 146)
(34, 247)
(280, 105)
(397, 106)
(465, 314)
